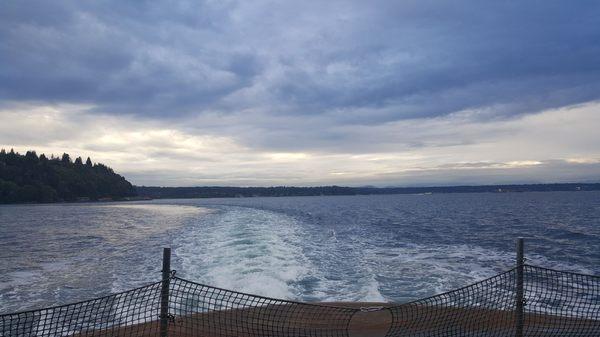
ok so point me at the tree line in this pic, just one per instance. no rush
(282, 191)
(33, 178)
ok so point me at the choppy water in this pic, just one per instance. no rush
(348, 248)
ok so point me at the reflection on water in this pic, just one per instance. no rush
(57, 253)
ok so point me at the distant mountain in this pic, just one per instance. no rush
(29, 178)
(281, 191)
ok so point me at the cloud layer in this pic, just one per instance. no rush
(553, 146)
(226, 92)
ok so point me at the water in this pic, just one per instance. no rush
(347, 248)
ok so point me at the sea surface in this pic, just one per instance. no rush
(343, 248)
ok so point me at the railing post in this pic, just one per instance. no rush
(164, 292)
(519, 313)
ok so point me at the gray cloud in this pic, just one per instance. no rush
(407, 60)
(547, 171)
(325, 77)
(555, 145)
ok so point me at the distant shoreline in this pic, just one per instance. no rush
(154, 192)
(146, 193)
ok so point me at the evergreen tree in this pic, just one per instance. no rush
(66, 159)
(31, 155)
(29, 178)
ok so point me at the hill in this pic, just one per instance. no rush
(29, 178)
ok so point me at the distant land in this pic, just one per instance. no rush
(32, 178)
(284, 191)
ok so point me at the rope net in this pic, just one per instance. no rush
(131, 313)
(557, 304)
(208, 311)
(561, 304)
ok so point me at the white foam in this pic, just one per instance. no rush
(370, 291)
(247, 250)
(22, 291)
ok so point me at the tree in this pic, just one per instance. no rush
(31, 155)
(29, 178)
(66, 159)
(31, 158)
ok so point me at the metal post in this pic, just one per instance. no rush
(519, 314)
(164, 293)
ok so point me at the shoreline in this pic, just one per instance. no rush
(149, 198)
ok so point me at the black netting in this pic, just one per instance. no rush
(560, 303)
(557, 304)
(115, 315)
(485, 308)
(201, 310)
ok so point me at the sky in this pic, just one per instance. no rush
(261, 93)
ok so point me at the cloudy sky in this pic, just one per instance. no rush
(402, 93)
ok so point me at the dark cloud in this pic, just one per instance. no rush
(299, 75)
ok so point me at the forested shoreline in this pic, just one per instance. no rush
(32, 178)
(285, 191)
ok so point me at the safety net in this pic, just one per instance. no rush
(554, 304)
